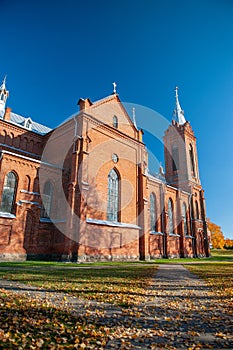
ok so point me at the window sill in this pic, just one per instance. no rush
(156, 233)
(189, 237)
(111, 223)
(198, 220)
(7, 215)
(28, 192)
(52, 221)
(45, 220)
(174, 235)
(22, 201)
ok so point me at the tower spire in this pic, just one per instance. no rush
(134, 118)
(178, 111)
(3, 86)
(3, 96)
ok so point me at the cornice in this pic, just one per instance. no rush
(111, 130)
(21, 130)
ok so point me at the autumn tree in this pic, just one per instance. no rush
(217, 237)
(228, 243)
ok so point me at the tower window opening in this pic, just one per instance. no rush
(197, 210)
(175, 158)
(192, 164)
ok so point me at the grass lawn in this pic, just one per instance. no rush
(218, 273)
(29, 323)
(222, 254)
(219, 276)
(122, 286)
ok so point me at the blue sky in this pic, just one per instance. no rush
(55, 52)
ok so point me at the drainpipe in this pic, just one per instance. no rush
(162, 194)
(203, 216)
(75, 130)
(191, 226)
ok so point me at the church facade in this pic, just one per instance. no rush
(82, 192)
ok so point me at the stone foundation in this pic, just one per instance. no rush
(99, 258)
(12, 257)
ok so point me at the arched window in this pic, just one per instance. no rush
(115, 122)
(153, 212)
(36, 185)
(5, 136)
(27, 183)
(197, 210)
(184, 215)
(31, 146)
(8, 193)
(11, 138)
(47, 200)
(24, 143)
(113, 196)
(175, 158)
(192, 164)
(170, 217)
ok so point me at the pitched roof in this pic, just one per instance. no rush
(116, 98)
(106, 98)
(21, 121)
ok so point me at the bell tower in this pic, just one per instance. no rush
(3, 97)
(181, 161)
(182, 171)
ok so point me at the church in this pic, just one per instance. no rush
(83, 192)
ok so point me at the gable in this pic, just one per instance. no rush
(106, 109)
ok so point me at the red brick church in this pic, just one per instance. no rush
(83, 192)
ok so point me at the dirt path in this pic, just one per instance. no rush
(184, 314)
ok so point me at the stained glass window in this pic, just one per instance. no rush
(8, 193)
(170, 217)
(47, 200)
(153, 213)
(113, 196)
(184, 214)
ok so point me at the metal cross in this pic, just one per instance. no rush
(114, 87)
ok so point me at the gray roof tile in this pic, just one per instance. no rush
(36, 127)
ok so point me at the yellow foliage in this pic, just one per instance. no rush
(217, 237)
(228, 243)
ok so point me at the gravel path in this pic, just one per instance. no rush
(179, 312)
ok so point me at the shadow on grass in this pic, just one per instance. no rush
(53, 325)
